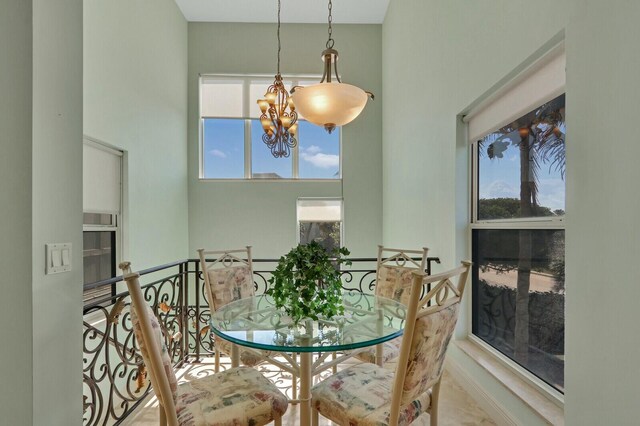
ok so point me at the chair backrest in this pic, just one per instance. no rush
(152, 347)
(227, 278)
(428, 329)
(394, 272)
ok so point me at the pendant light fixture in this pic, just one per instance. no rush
(278, 118)
(330, 103)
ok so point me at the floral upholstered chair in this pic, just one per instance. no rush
(237, 396)
(369, 395)
(393, 281)
(229, 278)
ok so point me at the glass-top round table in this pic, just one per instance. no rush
(256, 323)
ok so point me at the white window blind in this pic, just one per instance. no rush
(319, 210)
(542, 82)
(101, 178)
(221, 98)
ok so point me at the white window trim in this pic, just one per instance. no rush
(120, 218)
(548, 408)
(522, 373)
(540, 223)
(550, 223)
(248, 167)
(341, 199)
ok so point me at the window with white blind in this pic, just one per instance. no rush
(102, 207)
(231, 145)
(320, 220)
(518, 183)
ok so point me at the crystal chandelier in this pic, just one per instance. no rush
(328, 103)
(278, 118)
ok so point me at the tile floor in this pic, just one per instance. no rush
(457, 408)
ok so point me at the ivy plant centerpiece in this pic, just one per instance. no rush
(307, 283)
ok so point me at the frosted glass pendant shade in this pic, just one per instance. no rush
(329, 104)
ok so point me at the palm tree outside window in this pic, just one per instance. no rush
(518, 240)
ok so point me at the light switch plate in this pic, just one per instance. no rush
(58, 258)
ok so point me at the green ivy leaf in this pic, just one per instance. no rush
(307, 282)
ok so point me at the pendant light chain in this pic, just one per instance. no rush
(279, 47)
(278, 117)
(330, 104)
(330, 41)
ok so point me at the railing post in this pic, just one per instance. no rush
(197, 313)
(428, 271)
(184, 281)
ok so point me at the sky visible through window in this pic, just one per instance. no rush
(223, 148)
(263, 163)
(500, 178)
(537, 137)
(319, 152)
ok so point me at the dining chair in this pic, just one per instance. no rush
(228, 278)
(235, 396)
(367, 394)
(393, 280)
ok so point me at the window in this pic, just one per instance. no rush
(518, 244)
(102, 176)
(98, 253)
(320, 220)
(231, 135)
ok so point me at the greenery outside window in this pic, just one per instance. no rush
(231, 145)
(320, 220)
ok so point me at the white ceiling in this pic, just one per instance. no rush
(292, 11)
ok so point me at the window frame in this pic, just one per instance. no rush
(537, 222)
(533, 223)
(247, 79)
(116, 227)
(298, 221)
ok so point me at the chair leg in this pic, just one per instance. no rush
(335, 367)
(163, 416)
(277, 421)
(217, 357)
(314, 417)
(235, 355)
(294, 381)
(435, 396)
(379, 355)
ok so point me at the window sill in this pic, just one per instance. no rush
(299, 180)
(529, 394)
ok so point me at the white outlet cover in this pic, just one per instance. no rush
(57, 258)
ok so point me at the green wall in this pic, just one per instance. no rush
(41, 122)
(602, 239)
(57, 209)
(441, 56)
(263, 214)
(16, 307)
(135, 98)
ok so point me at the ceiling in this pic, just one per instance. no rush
(292, 11)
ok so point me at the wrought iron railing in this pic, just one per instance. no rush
(113, 371)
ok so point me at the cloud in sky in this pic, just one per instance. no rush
(316, 157)
(551, 192)
(218, 153)
(313, 149)
(499, 189)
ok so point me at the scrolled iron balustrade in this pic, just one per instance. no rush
(114, 377)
